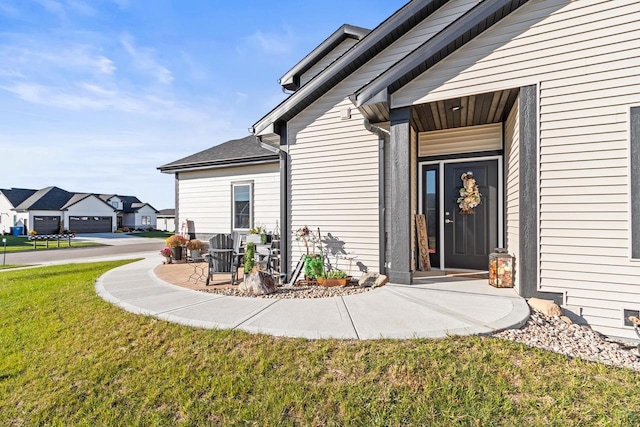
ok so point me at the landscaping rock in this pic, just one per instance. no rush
(544, 306)
(259, 283)
(373, 280)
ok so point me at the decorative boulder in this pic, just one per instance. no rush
(258, 283)
(546, 307)
(373, 280)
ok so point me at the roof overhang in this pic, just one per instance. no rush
(291, 80)
(373, 99)
(189, 167)
(373, 43)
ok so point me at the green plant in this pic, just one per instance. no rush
(336, 274)
(249, 257)
(175, 241)
(195, 244)
(313, 266)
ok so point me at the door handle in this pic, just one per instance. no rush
(448, 221)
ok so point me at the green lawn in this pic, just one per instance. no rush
(69, 358)
(22, 243)
(8, 266)
(156, 234)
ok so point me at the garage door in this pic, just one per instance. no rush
(46, 224)
(90, 224)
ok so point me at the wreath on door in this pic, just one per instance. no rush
(469, 194)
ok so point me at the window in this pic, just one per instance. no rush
(146, 220)
(634, 172)
(242, 206)
(114, 204)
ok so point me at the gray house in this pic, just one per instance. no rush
(232, 186)
(539, 99)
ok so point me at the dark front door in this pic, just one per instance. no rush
(470, 238)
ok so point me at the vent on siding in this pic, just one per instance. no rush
(627, 313)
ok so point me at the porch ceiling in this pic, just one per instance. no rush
(470, 110)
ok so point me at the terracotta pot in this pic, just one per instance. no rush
(332, 282)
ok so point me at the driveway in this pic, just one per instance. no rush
(120, 246)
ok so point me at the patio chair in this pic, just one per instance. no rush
(224, 255)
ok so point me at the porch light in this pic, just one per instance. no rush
(501, 268)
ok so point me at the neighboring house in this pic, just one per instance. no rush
(9, 199)
(233, 186)
(540, 99)
(132, 213)
(52, 210)
(166, 220)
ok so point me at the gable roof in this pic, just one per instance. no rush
(241, 151)
(137, 206)
(46, 199)
(464, 29)
(373, 43)
(291, 79)
(15, 196)
(372, 98)
(167, 212)
(78, 197)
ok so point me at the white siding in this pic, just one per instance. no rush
(204, 197)
(512, 183)
(334, 162)
(6, 214)
(467, 139)
(585, 56)
(326, 60)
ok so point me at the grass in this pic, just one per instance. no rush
(22, 243)
(8, 266)
(156, 234)
(69, 358)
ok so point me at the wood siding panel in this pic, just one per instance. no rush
(461, 140)
(585, 57)
(205, 196)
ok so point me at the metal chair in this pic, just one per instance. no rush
(224, 255)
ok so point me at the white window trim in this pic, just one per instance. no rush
(233, 205)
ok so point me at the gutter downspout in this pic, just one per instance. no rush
(383, 136)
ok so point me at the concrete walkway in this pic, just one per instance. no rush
(434, 308)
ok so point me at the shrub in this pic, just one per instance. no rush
(313, 266)
(249, 255)
(175, 241)
(195, 244)
(336, 274)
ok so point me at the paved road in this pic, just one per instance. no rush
(135, 247)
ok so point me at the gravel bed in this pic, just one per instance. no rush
(554, 334)
(294, 292)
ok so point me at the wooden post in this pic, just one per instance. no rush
(423, 243)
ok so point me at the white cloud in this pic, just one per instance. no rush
(272, 43)
(143, 59)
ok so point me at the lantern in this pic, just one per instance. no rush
(501, 269)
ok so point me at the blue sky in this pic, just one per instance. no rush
(95, 94)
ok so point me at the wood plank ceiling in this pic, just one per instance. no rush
(470, 110)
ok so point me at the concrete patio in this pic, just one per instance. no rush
(434, 307)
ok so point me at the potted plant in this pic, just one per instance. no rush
(176, 242)
(257, 235)
(313, 266)
(166, 253)
(195, 246)
(334, 278)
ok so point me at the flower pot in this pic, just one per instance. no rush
(333, 282)
(254, 238)
(176, 253)
(195, 253)
(167, 260)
